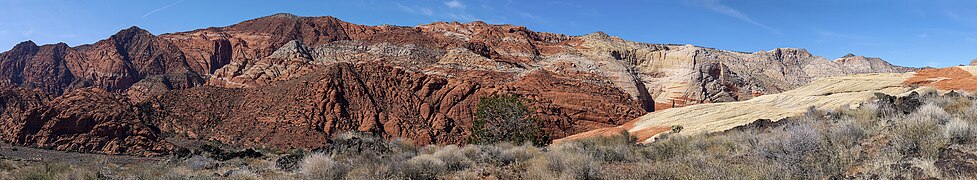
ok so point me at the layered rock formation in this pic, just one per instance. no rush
(285, 81)
(86, 120)
(824, 94)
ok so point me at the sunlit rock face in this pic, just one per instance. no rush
(292, 82)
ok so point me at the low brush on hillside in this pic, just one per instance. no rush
(915, 137)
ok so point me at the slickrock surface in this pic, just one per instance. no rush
(285, 81)
(826, 94)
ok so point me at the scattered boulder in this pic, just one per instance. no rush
(356, 144)
(289, 162)
(221, 155)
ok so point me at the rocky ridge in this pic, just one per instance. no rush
(291, 82)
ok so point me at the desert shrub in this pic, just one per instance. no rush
(932, 111)
(148, 171)
(958, 105)
(321, 166)
(489, 154)
(505, 119)
(197, 163)
(424, 166)
(453, 158)
(668, 148)
(517, 154)
(471, 174)
(969, 113)
(616, 148)
(7, 165)
(401, 146)
(572, 164)
(41, 172)
(847, 133)
(357, 145)
(959, 131)
(803, 150)
(243, 174)
(45, 171)
(918, 136)
(379, 170)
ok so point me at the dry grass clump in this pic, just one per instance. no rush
(959, 131)
(52, 171)
(321, 166)
(919, 135)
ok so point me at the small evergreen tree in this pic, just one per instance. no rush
(506, 119)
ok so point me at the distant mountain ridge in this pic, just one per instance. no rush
(290, 82)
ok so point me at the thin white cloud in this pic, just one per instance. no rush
(965, 18)
(28, 33)
(836, 35)
(455, 11)
(853, 39)
(532, 17)
(455, 4)
(162, 8)
(463, 17)
(718, 7)
(416, 10)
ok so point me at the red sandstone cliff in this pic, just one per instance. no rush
(286, 81)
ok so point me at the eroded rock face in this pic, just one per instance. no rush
(287, 81)
(114, 64)
(390, 101)
(85, 120)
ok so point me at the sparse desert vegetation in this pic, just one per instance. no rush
(914, 137)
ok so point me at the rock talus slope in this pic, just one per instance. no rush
(285, 81)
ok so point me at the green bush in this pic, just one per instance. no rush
(506, 119)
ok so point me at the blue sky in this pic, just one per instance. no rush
(905, 32)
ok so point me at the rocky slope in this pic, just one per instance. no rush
(825, 94)
(86, 120)
(286, 81)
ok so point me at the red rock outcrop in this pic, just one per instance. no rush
(391, 101)
(85, 120)
(43, 67)
(961, 78)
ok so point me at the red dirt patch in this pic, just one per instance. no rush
(952, 78)
(640, 135)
